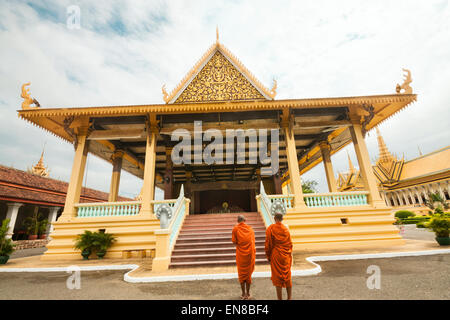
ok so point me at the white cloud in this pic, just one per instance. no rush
(125, 51)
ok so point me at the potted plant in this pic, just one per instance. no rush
(33, 225)
(42, 228)
(84, 242)
(440, 226)
(102, 242)
(6, 245)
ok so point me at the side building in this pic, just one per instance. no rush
(404, 185)
(24, 194)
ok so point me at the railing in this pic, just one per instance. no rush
(336, 199)
(108, 209)
(265, 206)
(287, 199)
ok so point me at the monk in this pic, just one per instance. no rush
(243, 237)
(279, 253)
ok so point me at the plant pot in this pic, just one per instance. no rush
(86, 254)
(42, 236)
(101, 254)
(32, 237)
(4, 259)
(443, 241)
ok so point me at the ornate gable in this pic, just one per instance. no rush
(219, 80)
(219, 76)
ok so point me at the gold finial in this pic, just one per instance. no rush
(28, 100)
(273, 91)
(217, 34)
(39, 169)
(165, 94)
(405, 85)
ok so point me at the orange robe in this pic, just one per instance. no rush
(279, 252)
(244, 238)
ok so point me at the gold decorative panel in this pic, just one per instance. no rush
(219, 80)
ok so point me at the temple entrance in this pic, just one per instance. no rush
(224, 201)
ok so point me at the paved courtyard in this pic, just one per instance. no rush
(423, 277)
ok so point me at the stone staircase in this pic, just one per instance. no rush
(205, 240)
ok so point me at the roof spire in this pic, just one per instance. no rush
(217, 34)
(39, 168)
(383, 154)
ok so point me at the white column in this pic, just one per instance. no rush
(413, 199)
(11, 214)
(52, 218)
(399, 201)
(394, 199)
(405, 196)
(440, 190)
(447, 184)
(419, 196)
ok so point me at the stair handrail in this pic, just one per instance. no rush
(265, 207)
(176, 222)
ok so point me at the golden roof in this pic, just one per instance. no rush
(431, 163)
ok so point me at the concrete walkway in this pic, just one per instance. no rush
(424, 277)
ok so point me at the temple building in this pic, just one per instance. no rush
(23, 194)
(221, 143)
(404, 185)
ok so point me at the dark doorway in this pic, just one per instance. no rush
(211, 201)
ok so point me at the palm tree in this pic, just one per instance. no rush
(435, 201)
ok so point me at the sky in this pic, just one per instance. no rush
(124, 51)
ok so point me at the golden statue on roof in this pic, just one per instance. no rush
(28, 100)
(405, 85)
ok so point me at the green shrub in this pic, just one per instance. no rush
(440, 225)
(402, 214)
(102, 241)
(414, 220)
(84, 241)
(6, 245)
(421, 225)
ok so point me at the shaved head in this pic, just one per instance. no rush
(278, 217)
(241, 218)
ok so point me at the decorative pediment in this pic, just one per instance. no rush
(219, 80)
(219, 76)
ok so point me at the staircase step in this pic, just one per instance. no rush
(205, 240)
(216, 263)
(212, 244)
(212, 233)
(211, 257)
(256, 227)
(195, 251)
(195, 240)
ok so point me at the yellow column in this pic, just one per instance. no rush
(365, 166)
(117, 159)
(148, 189)
(326, 159)
(77, 175)
(294, 171)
